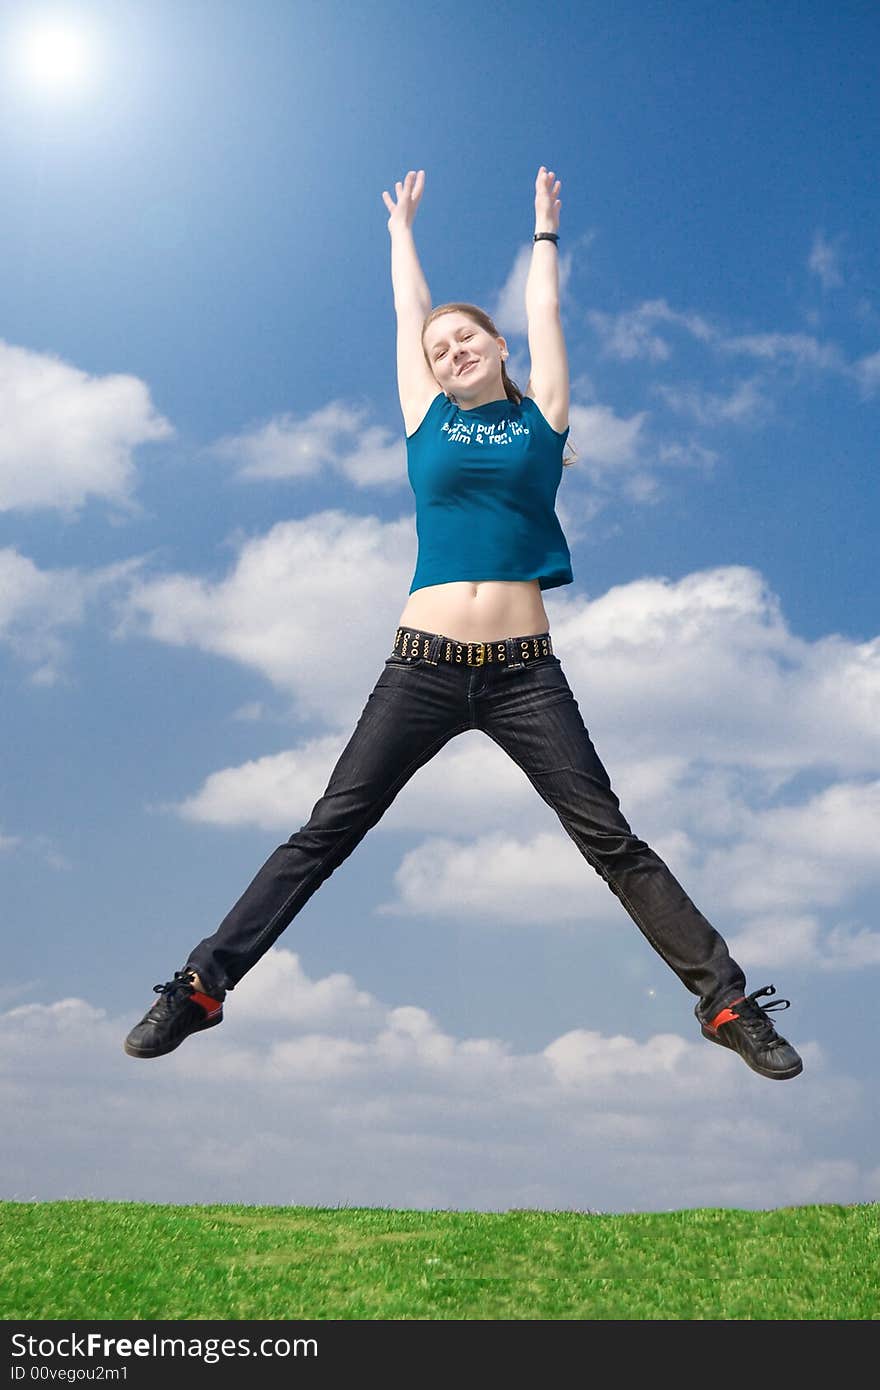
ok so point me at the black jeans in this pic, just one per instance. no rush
(529, 711)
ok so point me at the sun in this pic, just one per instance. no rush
(56, 57)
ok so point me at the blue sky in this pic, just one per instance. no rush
(203, 501)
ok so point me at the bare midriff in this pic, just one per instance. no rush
(484, 611)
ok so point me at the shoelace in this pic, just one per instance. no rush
(182, 982)
(755, 1018)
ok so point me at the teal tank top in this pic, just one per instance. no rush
(485, 482)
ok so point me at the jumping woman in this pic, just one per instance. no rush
(485, 462)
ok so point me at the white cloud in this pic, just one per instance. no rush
(867, 373)
(613, 459)
(631, 335)
(29, 595)
(509, 313)
(37, 606)
(795, 349)
(68, 436)
(746, 404)
(587, 1059)
(728, 682)
(271, 613)
(340, 1098)
(738, 707)
(687, 455)
(250, 713)
(336, 438)
(824, 261)
(539, 882)
(40, 846)
(604, 440)
(628, 336)
(576, 509)
(279, 790)
(276, 791)
(782, 862)
(334, 1002)
(800, 942)
(769, 866)
(498, 877)
(642, 488)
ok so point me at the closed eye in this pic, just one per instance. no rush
(442, 351)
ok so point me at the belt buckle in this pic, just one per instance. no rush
(481, 658)
(513, 660)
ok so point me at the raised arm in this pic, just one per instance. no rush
(412, 302)
(548, 381)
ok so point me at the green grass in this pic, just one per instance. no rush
(120, 1260)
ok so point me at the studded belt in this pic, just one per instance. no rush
(510, 652)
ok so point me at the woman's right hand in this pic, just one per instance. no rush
(409, 193)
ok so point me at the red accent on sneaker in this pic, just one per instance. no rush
(726, 1015)
(204, 1001)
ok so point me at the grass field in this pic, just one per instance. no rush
(122, 1260)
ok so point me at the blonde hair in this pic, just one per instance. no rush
(479, 316)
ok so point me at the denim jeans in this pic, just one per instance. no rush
(414, 709)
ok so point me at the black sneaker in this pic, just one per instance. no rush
(181, 1009)
(744, 1026)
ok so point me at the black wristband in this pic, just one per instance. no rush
(547, 236)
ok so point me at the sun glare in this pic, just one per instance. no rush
(56, 57)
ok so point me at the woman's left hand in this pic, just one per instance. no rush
(547, 202)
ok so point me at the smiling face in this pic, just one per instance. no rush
(465, 359)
